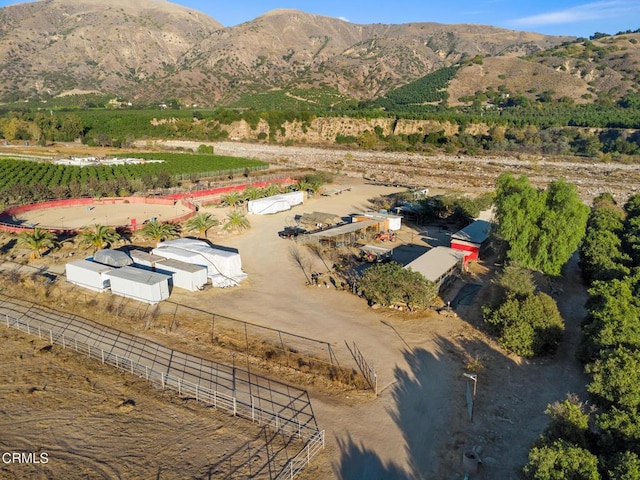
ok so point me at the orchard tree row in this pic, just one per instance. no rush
(600, 439)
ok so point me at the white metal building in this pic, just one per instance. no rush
(87, 274)
(183, 275)
(139, 284)
(438, 265)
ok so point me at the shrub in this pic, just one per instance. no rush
(528, 326)
(389, 283)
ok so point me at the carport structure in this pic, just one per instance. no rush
(344, 235)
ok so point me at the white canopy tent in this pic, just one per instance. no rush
(275, 203)
(224, 267)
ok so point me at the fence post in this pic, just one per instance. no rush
(63, 342)
(102, 352)
(75, 340)
(253, 415)
(179, 387)
(197, 399)
(146, 372)
(28, 329)
(235, 409)
(116, 360)
(6, 315)
(162, 379)
(39, 332)
(51, 336)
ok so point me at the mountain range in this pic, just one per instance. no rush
(151, 51)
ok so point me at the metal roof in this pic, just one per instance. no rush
(178, 265)
(375, 249)
(142, 256)
(477, 232)
(436, 262)
(91, 266)
(138, 275)
(344, 229)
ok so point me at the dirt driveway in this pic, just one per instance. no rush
(418, 426)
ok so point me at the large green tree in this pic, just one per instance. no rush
(542, 228)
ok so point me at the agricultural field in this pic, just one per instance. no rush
(23, 181)
(295, 99)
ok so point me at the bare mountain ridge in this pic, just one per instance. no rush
(148, 50)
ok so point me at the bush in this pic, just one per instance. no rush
(561, 461)
(528, 326)
(389, 283)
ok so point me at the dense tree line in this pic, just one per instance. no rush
(602, 442)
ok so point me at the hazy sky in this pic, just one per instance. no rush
(557, 17)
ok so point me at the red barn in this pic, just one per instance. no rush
(471, 238)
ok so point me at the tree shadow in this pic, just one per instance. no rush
(430, 409)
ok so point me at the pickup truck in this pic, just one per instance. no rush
(290, 232)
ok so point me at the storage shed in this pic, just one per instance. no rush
(183, 275)
(439, 265)
(275, 203)
(387, 220)
(471, 238)
(139, 284)
(87, 274)
(224, 267)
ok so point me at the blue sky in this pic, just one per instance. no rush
(555, 17)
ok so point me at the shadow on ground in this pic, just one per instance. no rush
(427, 401)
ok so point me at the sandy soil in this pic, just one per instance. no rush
(113, 215)
(93, 422)
(418, 426)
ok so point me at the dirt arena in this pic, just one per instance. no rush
(78, 216)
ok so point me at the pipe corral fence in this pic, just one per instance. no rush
(280, 408)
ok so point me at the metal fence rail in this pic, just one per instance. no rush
(285, 410)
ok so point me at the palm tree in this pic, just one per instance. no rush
(232, 198)
(272, 190)
(160, 231)
(236, 221)
(98, 236)
(201, 223)
(252, 193)
(37, 241)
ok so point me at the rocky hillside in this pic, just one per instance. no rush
(149, 50)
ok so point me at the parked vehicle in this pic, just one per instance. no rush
(290, 232)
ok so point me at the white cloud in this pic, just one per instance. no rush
(345, 19)
(582, 13)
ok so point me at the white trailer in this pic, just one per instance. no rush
(87, 274)
(183, 275)
(139, 284)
